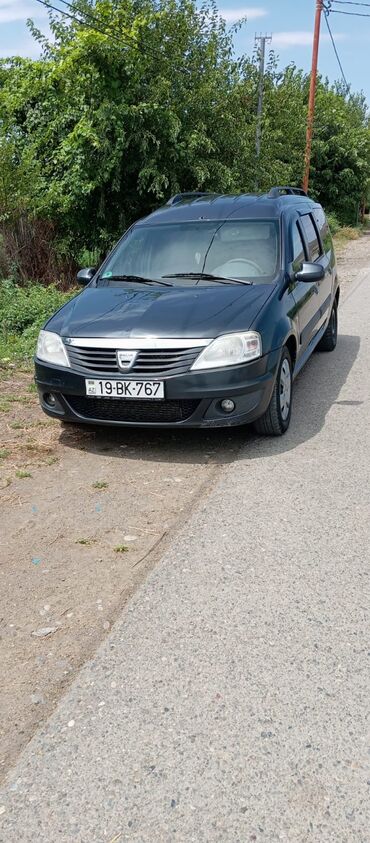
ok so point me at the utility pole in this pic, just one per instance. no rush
(262, 39)
(311, 101)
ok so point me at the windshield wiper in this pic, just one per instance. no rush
(139, 278)
(208, 277)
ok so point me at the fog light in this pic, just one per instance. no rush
(227, 405)
(49, 399)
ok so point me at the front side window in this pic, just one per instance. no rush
(299, 252)
(312, 239)
(243, 249)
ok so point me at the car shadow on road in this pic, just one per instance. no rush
(316, 390)
(187, 445)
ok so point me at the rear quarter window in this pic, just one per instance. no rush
(314, 249)
(324, 230)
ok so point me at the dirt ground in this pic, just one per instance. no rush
(84, 516)
(85, 513)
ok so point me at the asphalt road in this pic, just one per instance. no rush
(228, 703)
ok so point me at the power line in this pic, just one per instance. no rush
(351, 14)
(350, 3)
(108, 33)
(326, 16)
(77, 20)
(96, 18)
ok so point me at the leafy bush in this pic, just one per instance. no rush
(23, 310)
(333, 223)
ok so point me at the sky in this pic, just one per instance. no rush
(290, 22)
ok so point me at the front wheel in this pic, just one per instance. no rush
(275, 421)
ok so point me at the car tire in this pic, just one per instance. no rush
(275, 421)
(329, 339)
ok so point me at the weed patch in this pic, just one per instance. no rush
(100, 484)
(23, 311)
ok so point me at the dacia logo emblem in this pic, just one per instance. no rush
(126, 359)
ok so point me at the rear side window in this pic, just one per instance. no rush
(299, 253)
(327, 242)
(324, 231)
(312, 240)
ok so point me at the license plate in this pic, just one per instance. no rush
(124, 389)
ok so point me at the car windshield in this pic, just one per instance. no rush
(247, 250)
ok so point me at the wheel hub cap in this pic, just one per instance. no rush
(285, 390)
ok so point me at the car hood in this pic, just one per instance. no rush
(128, 310)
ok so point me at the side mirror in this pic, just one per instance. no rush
(84, 276)
(310, 272)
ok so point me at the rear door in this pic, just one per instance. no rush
(315, 302)
(327, 260)
(305, 295)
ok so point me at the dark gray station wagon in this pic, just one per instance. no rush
(201, 316)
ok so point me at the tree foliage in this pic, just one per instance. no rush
(103, 127)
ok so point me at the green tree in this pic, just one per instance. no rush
(144, 100)
(115, 124)
(341, 152)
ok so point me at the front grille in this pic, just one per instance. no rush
(120, 409)
(151, 362)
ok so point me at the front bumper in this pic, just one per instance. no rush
(192, 399)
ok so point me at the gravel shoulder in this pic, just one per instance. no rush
(85, 515)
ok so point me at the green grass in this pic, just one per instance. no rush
(23, 311)
(21, 474)
(4, 452)
(121, 548)
(100, 484)
(18, 399)
(86, 542)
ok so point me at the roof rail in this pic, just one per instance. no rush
(189, 195)
(286, 191)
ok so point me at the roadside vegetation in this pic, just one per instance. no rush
(23, 310)
(104, 127)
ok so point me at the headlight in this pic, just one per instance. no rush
(230, 350)
(51, 349)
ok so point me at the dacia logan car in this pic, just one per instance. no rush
(201, 316)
